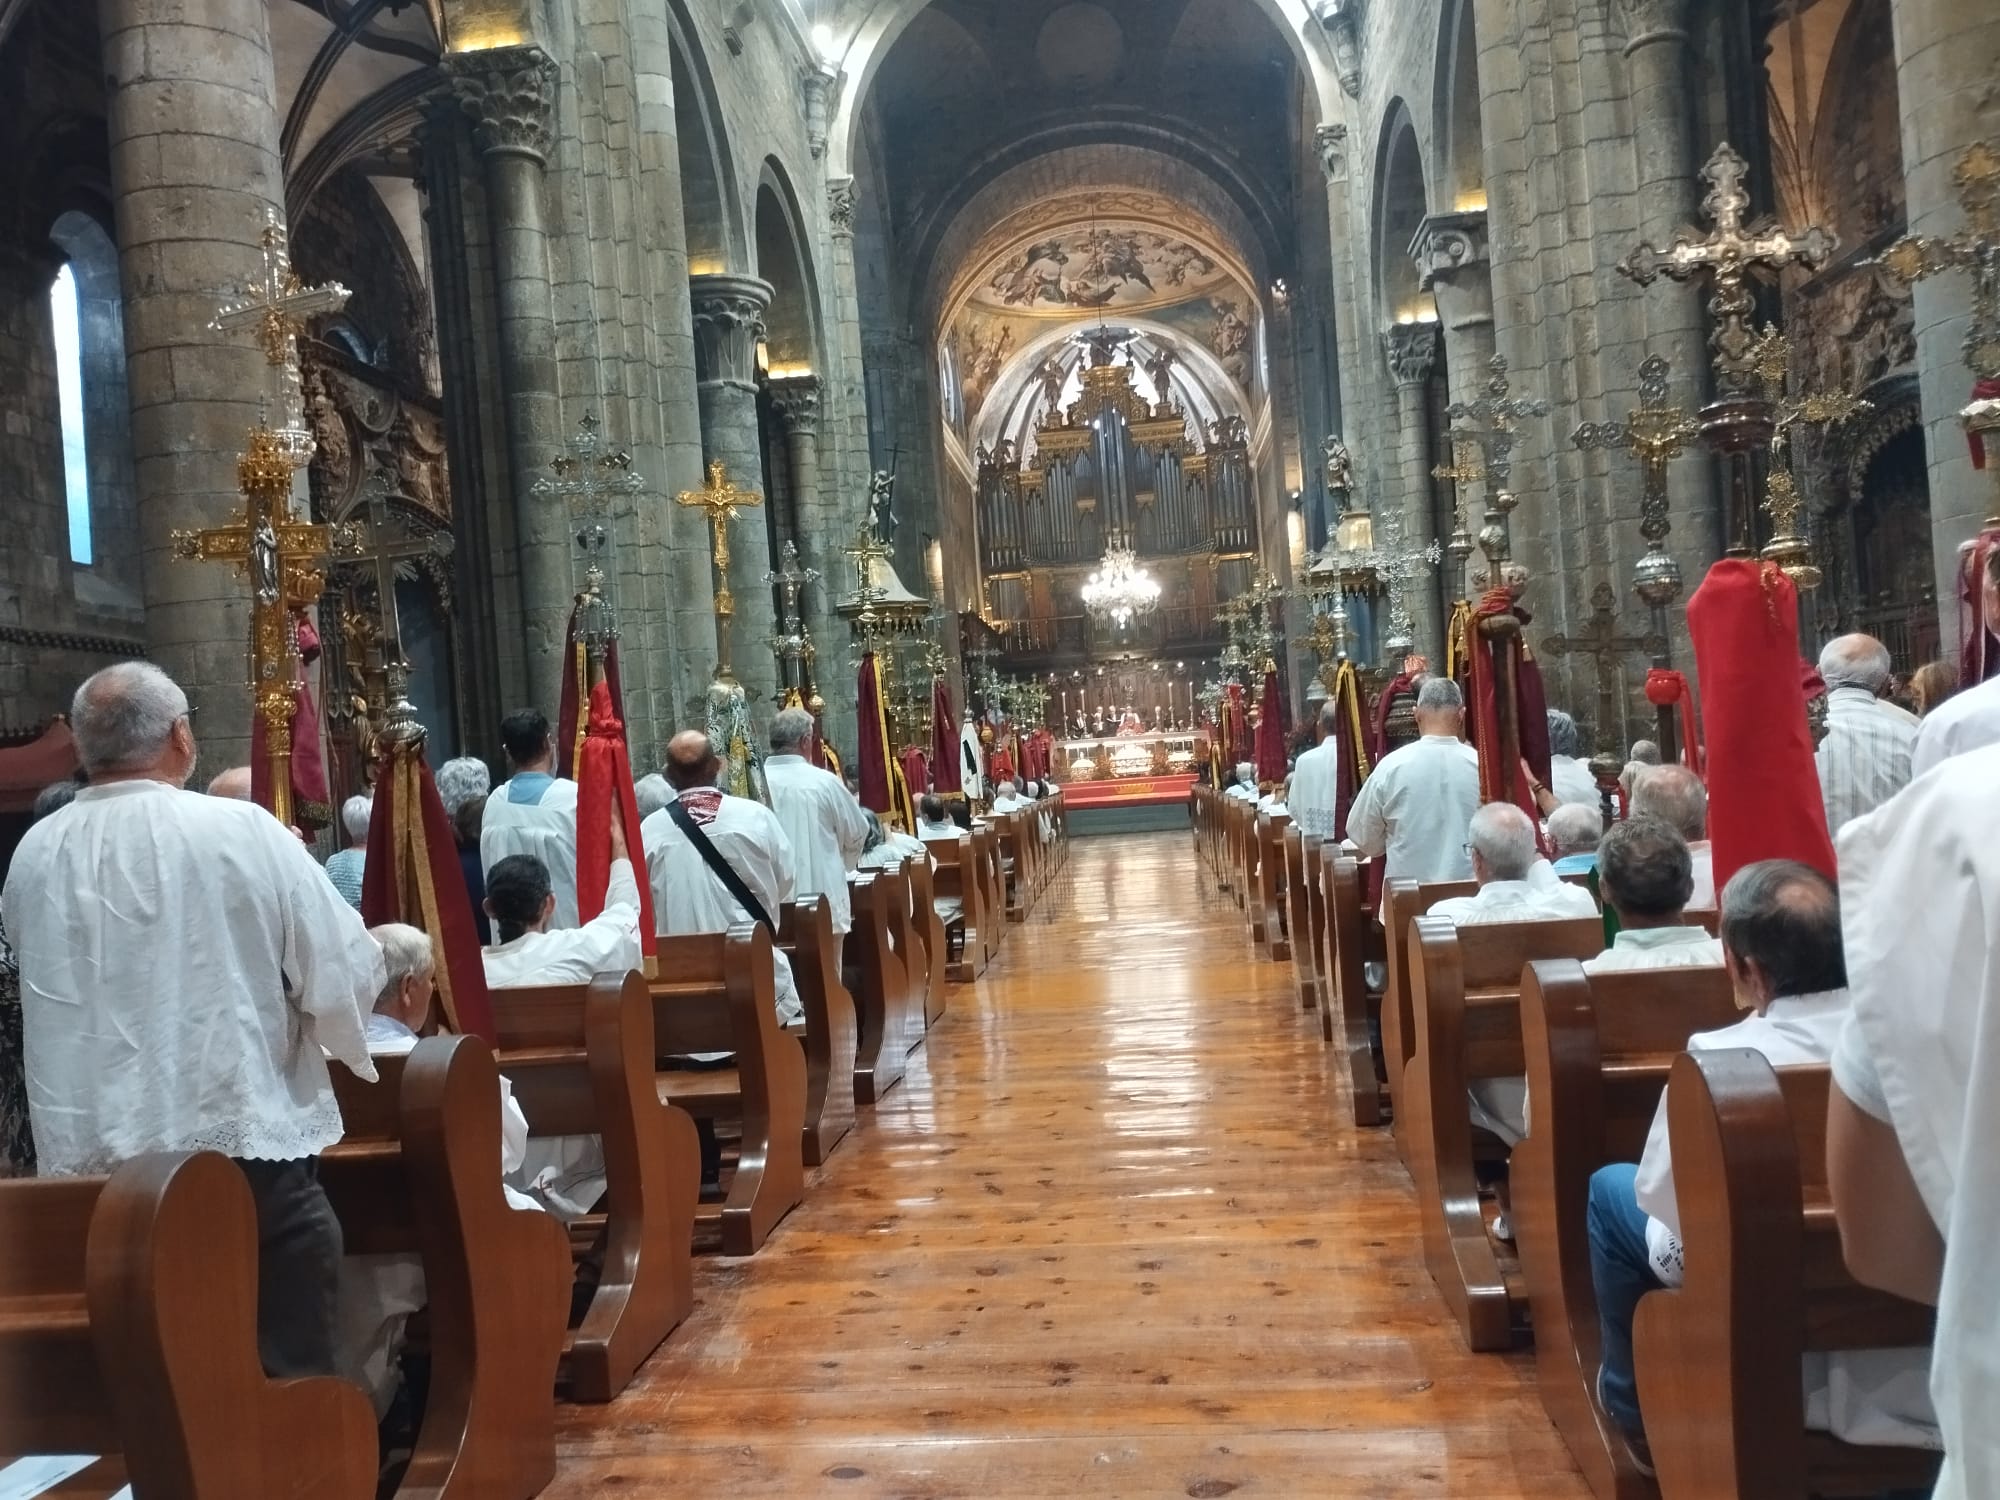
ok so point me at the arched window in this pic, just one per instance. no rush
(67, 322)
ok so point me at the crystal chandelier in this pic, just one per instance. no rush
(1120, 588)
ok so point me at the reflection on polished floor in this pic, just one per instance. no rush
(1106, 1239)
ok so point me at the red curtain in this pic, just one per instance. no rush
(1270, 754)
(947, 778)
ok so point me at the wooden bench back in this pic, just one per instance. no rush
(128, 1326)
(1270, 925)
(580, 1060)
(1465, 985)
(805, 933)
(882, 987)
(930, 936)
(418, 1170)
(1353, 1010)
(1598, 1049)
(1403, 901)
(1718, 1359)
(957, 876)
(1304, 899)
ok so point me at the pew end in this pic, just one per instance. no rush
(805, 932)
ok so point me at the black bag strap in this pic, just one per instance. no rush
(712, 857)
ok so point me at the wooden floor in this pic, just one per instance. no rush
(1106, 1239)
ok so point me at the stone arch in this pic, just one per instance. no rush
(791, 324)
(865, 48)
(1456, 133)
(1401, 203)
(710, 202)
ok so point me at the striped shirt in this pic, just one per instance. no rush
(1865, 758)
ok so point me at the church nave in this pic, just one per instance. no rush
(1108, 1238)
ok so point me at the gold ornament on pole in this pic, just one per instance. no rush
(721, 500)
(1770, 358)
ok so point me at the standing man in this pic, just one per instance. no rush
(1865, 758)
(533, 811)
(1417, 804)
(183, 962)
(1315, 796)
(824, 823)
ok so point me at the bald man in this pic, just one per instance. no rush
(232, 784)
(1865, 758)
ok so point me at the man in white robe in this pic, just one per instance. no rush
(1569, 774)
(689, 897)
(934, 819)
(183, 962)
(1865, 758)
(1915, 1110)
(1644, 873)
(1244, 788)
(1314, 800)
(1676, 795)
(1007, 799)
(1781, 943)
(824, 824)
(1416, 804)
(1971, 718)
(534, 810)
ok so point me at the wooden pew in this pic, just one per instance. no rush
(882, 988)
(957, 878)
(1598, 1049)
(1403, 901)
(1250, 850)
(418, 1171)
(128, 1327)
(1466, 1009)
(1272, 884)
(714, 994)
(1016, 864)
(580, 1059)
(992, 888)
(931, 934)
(829, 1036)
(1718, 1359)
(1307, 913)
(911, 955)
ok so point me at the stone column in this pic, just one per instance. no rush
(1947, 58)
(1657, 51)
(728, 322)
(195, 170)
(820, 538)
(1454, 267)
(1347, 401)
(1412, 350)
(509, 95)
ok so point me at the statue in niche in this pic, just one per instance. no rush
(413, 476)
(333, 453)
(264, 562)
(1339, 466)
(881, 503)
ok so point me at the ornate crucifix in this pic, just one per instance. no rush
(790, 645)
(588, 475)
(383, 549)
(1494, 419)
(1771, 358)
(721, 500)
(1600, 640)
(1465, 468)
(1727, 256)
(277, 308)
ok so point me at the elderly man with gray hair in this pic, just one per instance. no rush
(1676, 796)
(1414, 808)
(824, 824)
(1504, 856)
(1569, 775)
(1865, 758)
(1244, 787)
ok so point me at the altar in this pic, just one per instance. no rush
(1114, 767)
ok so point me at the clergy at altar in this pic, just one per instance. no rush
(1314, 798)
(1244, 786)
(1781, 943)
(1971, 718)
(1644, 873)
(1569, 776)
(1916, 1103)
(1675, 795)
(1865, 758)
(1416, 804)
(183, 963)
(821, 819)
(742, 836)
(534, 810)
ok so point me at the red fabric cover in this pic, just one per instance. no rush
(604, 776)
(570, 727)
(871, 759)
(311, 800)
(1763, 789)
(947, 775)
(1979, 655)
(1665, 688)
(1501, 778)
(43, 761)
(1379, 731)
(916, 771)
(1982, 390)
(412, 875)
(1271, 731)
(1347, 732)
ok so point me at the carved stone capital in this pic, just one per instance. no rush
(1342, 21)
(509, 93)
(796, 401)
(820, 87)
(1447, 245)
(840, 206)
(1412, 351)
(1649, 21)
(728, 322)
(1331, 143)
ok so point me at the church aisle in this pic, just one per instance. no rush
(1104, 1240)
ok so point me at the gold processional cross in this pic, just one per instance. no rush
(721, 500)
(281, 557)
(1770, 359)
(1727, 256)
(1656, 432)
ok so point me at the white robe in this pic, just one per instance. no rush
(1657, 948)
(971, 760)
(1316, 788)
(565, 1173)
(1244, 791)
(687, 896)
(1965, 722)
(544, 827)
(1920, 914)
(1416, 809)
(825, 826)
(1571, 781)
(183, 962)
(895, 847)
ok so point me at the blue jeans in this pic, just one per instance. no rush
(1622, 1274)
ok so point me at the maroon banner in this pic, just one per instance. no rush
(947, 776)
(604, 777)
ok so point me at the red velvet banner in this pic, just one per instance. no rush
(570, 726)
(872, 759)
(311, 799)
(1271, 732)
(947, 778)
(604, 777)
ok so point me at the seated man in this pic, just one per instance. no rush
(822, 821)
(934, 819)
(1414, 807)
(1575, 830)
(1007, 798)
(1278, 799)
(345, 868)
(1643, 876)
(887, 846)
(534, 811)
(717, 860)
(1675, 794)
(1569, 774)
(1245, 785)
(1781, 943)
(651, 793)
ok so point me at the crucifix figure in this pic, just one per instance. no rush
(1727, 256)
(1600, 640)
(277, 308)
(1493, 420)
(721, 500)
(1771, 357)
